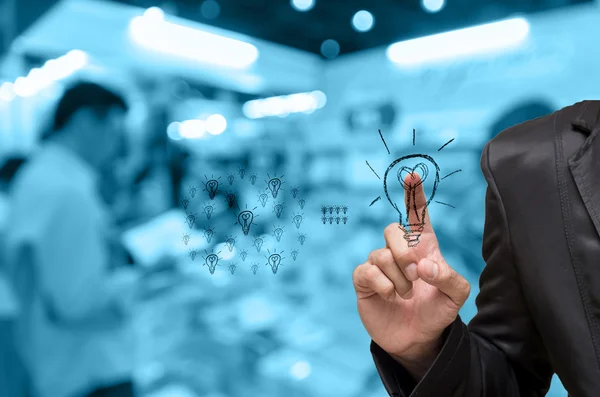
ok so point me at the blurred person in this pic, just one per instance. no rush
(74, 333)
(537, 309)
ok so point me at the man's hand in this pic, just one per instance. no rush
(407, 295)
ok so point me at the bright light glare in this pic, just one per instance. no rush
(283, 105)
(433, 5)
(477, 39)
(24, 87)
(192, 129)
(183, 41)
(7, 92)
(154, 13)
(300, 370)
(302, 5)
(363, 21)
(173, 131)
(216, 124)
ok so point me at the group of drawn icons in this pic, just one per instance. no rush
(334, 214)
(244, 219)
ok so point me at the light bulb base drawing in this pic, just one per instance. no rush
(412, 233)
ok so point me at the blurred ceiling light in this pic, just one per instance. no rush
(210, 9)
(173, 130)
(433, 5)
(363, 21)
(216, 124)
(478, 39)
(40, 78)
(330, 48)
(7, 92)
(281, 106)
(192, 129)
(300, 370)
(178, 40)
(302, 5)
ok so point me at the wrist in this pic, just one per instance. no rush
(419, 358)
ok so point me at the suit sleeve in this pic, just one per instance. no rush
(500, 353)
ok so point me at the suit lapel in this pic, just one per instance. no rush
(585, 162)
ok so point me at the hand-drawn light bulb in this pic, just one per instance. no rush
(337, 209)
(412, 221)
(208, 210)
(192, 254)
(211, 187)
(330, 208)
(208, 234)
(243, 255)
(232, 267)
(294, 254)
(263, 197)
(242, 172)
(258, 242)
(337, 220)
(301, 202)
(245, 219)
(324, 219)
(230, 242)
(185, 202)
(345, 219)
(254, 268)
(278, 232)
(297, 219)
(274, 185)
(190, 219)
(331, 218)
(230, 178)
(274, 260)
(294, 191)
(252, 179)
(186, 239)
(345, 209)
(212, 261)
(230, 200)
(278, 208)
(192, 190)
(302, 238)
(323, 209)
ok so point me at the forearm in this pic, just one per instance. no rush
(418, 360)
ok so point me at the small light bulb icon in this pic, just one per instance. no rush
(232, 267)
(186, 239)
(185, 202)
(302, 238)
(190, 219)
(294, 254)
(245, 219)
(278, 232)
(212, 186)
(278, 208)
(192, 191)
(230, 178)
(297, 219)
(243, 255)
(230, 200)
(242, 172)
(294, 191)
(208, 210)
(262, 198)
(192, 254)
(212, 261)
(252, 179)
(230, 242)
(208, 234)
(274, 184)
(254, 268)
(301, 203)
(258, 242)
(274, 260)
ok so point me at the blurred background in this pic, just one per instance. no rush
(275, 107)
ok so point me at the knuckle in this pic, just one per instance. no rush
(389, 230)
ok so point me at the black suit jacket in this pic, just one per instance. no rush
(538, 309)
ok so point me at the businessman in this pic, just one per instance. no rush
(539, 300)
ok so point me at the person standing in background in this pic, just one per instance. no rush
(74, 333)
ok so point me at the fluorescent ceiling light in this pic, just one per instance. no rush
(153, 32)
(305, 102)
(478, 39)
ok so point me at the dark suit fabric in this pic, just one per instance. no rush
(538, 309)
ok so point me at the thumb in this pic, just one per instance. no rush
(446, 279)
